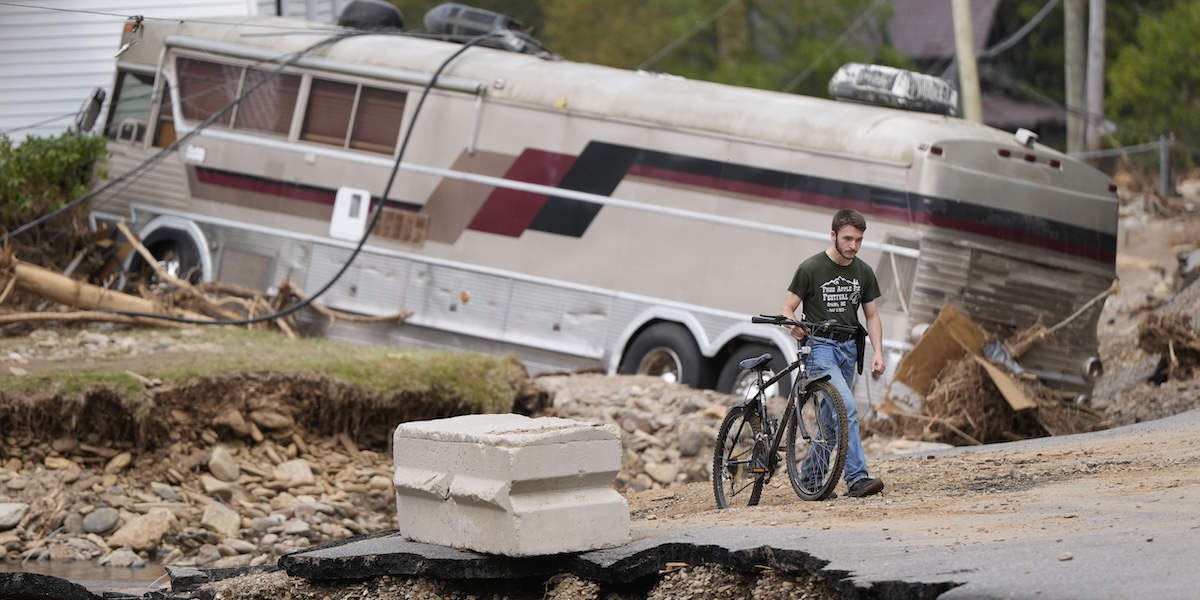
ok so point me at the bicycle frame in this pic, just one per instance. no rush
(800, 385)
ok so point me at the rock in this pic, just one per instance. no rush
(692, 442)
(270, 419)
(297, 527)
(64, 444)
(267, 523)
(296, 472)
(118, 463)
(208, 554)
(122, 557)
(234, 420)
(662, 473)
(165, 492)
(58, 463)
(216, 488)
(222, 465)
(73, 523)
(101, 520)
(11, 514)
(11, 540)
(88, 338)
(144, 532)
(36, 585)
(221, 519)
(236, 561)
(239, 546)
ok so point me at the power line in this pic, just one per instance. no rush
(828, 50)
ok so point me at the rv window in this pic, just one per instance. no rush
(377, 120)
(376, 115)
(205, 88)
(270, 106)
(327, 119)
(130, 105)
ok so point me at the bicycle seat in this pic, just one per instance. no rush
(758, 362)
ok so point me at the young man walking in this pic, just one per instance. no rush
(833, 285)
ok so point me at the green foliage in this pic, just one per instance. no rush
(1154, 83)
(769, 44)
(42, 174)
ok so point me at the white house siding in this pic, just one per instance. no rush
(319, 11)
(53, 53)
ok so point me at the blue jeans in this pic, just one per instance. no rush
(839, 361)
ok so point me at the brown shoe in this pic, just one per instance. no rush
(865, 487)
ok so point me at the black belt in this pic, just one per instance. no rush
(838, 336)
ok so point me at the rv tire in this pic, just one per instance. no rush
(175, 253)
(665, 350)
(733, 380)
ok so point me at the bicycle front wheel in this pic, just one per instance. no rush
(733, 476)
(816, 441)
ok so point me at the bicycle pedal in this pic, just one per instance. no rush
(758, 470)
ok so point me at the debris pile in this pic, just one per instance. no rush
(965, 406)
(960, 387)
(1173, 337)
(158, 297)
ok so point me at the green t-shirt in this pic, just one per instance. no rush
(828, 290)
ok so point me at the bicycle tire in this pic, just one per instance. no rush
(814, 446)
(733, 457)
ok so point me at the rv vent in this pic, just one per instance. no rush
(898, 88)
(371, 15)
(458, 19)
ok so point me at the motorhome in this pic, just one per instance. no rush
(581, 216)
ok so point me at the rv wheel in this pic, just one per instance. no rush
(177, 257)
(735, 381)
(664, 350)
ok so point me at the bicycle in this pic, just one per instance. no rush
(749, 442)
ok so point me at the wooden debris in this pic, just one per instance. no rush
(1172, 337)
(973, 400)
(64, 290)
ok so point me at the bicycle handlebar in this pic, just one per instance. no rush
(823, 327)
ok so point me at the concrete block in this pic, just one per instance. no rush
(510, 485)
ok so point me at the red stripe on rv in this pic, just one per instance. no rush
(510, 212)
(265, 186)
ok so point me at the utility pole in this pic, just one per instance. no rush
(968, 71)
(1095, 74)
(1073, 42)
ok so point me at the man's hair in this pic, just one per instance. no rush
(849, 216)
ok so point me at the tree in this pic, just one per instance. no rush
(1154, 83)
(771, 44)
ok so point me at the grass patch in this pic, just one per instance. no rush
(175, 356)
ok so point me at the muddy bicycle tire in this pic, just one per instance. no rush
(821, 451)
(732, 460)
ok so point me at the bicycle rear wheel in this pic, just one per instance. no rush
(732, 475)
(816, 441)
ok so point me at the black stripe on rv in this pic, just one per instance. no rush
(598, 170)
(602, 166)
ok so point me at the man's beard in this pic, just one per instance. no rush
(842, 252)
